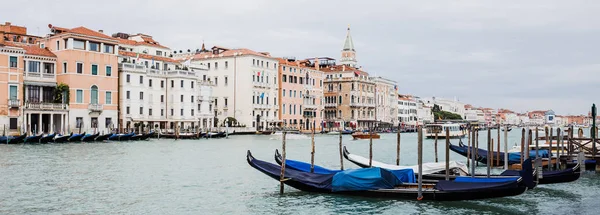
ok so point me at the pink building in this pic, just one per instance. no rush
(87, 63)
(301, 93)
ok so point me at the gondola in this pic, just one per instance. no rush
(89, 137)
(136, 137)
(121, 137)
(362, 135)
(76, 137)
(147, 136)
(482, 155)
(33, 139)
(16, 139)
(47, 138)
(431, 171)
(103, 137)
(215, 135)
(381, 183)
(62, 139)
(4, 139)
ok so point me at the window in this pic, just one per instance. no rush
(34, 66)
(267, 64)
(108, 71)
(141, 110)
(192, 99)
(78, 122)
(57, 45)
(141, 95)
(109, 49)
(216, 65)
(225, 80)
(225, 102)
(13, 92)
(181, 112)
(192, 112)
(283, 110)
(78, 44)
(216, 81)
(226, 65)
(94, 69)
(283, 92)
(181, 84)
(162, 112)
(162, 98)
(94, 95)
(141, 79)
(79, 96)
(80, 68)
(192, 84)
(127, 94)
(94, 46)
(162, 84)
(208, 65)
(64, 67)
(150, 112)
(128, 77)
(108, 99)
(159, 53)
(127, 110)
(172, 83)
(253, 62)
(13, 62)
(181, 98)
(149, 82)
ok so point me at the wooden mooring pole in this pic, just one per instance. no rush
(341, 153)
(476, 149)
(447, 154)
(490, 158)
(469, 148)
(398, 146)
(282, 175)
(538, 162)
(522, 146)
(547, 139)
(550, 166)
(506, 147)
(558, 143)
(436, 146)
(420, 163)
(370, 147)
(312, 151)
(473, 156)
(498, 152)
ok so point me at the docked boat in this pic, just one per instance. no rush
(47, 138)
(431, 130)
(76, 137)
(289, 135)
(16, 139)
(63, 138)
(33, 139)
(121, 137)
(147, 136)
(136, 137)
(103, 137)
(90, 137)
(509, 129)
(365, 135)
(399, 184)
(482, 155)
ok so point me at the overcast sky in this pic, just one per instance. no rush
(521, 55)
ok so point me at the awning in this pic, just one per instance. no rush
(44, 84)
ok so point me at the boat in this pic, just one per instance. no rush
(16, 139)
(509, 129)
(362, 135)
(90, 137)
(47, 138)
(265, 132)
(347, 132)
(136, 137)
(33, 139)
(382, 183)
(431, 130)
(215, 135)
(103, 137)
(289, 135)
(147, 136)
(333, 133)
(482, 155)
(76, 137)
(63, 138)
(121, 137)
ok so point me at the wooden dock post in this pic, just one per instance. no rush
(473, 156)
(370, 147)
(490, 158)
(436, 146)
(548, 139)
(476, 149)
(498, 152)
(530, 142)
(558, 140)
(538, 162)
(469, 148)
(522, 146)
(447, 154)
(341, 153)
(282, 175)
(398, 146)
(312, 151)
(420, 163)
(506, 148)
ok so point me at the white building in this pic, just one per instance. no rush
(424, 114)
(511, 119)
(386, 100)
(154, 89)
(450, 105)
(242, 77)
(407, 110)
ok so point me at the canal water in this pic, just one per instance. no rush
(212, 177)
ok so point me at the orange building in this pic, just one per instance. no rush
(87, 63)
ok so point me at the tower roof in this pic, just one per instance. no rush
(348, 44)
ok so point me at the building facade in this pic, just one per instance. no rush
(386, 101)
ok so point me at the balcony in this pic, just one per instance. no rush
(330, 105)
(260, 106)
(95, 107)
(260, 84)
(130, 67)
(14, 103)
(309, 106)
(46, 106)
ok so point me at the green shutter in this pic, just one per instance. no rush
(94, 69)
(108, 71)
(108, 98)
(79, 96)
(13, 92)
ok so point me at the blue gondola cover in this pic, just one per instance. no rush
(305, 167)
(364, 179)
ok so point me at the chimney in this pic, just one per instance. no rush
(101, 31)
(7, 23)
(316, 63)
(343, 68)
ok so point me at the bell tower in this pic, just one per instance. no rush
(348, 52)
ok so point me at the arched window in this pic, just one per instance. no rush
(94, 95)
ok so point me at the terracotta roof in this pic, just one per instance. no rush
(147, 56)
(83, 31)
(136, 43)
(32, 49)
(229, 53)
(343, 68)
